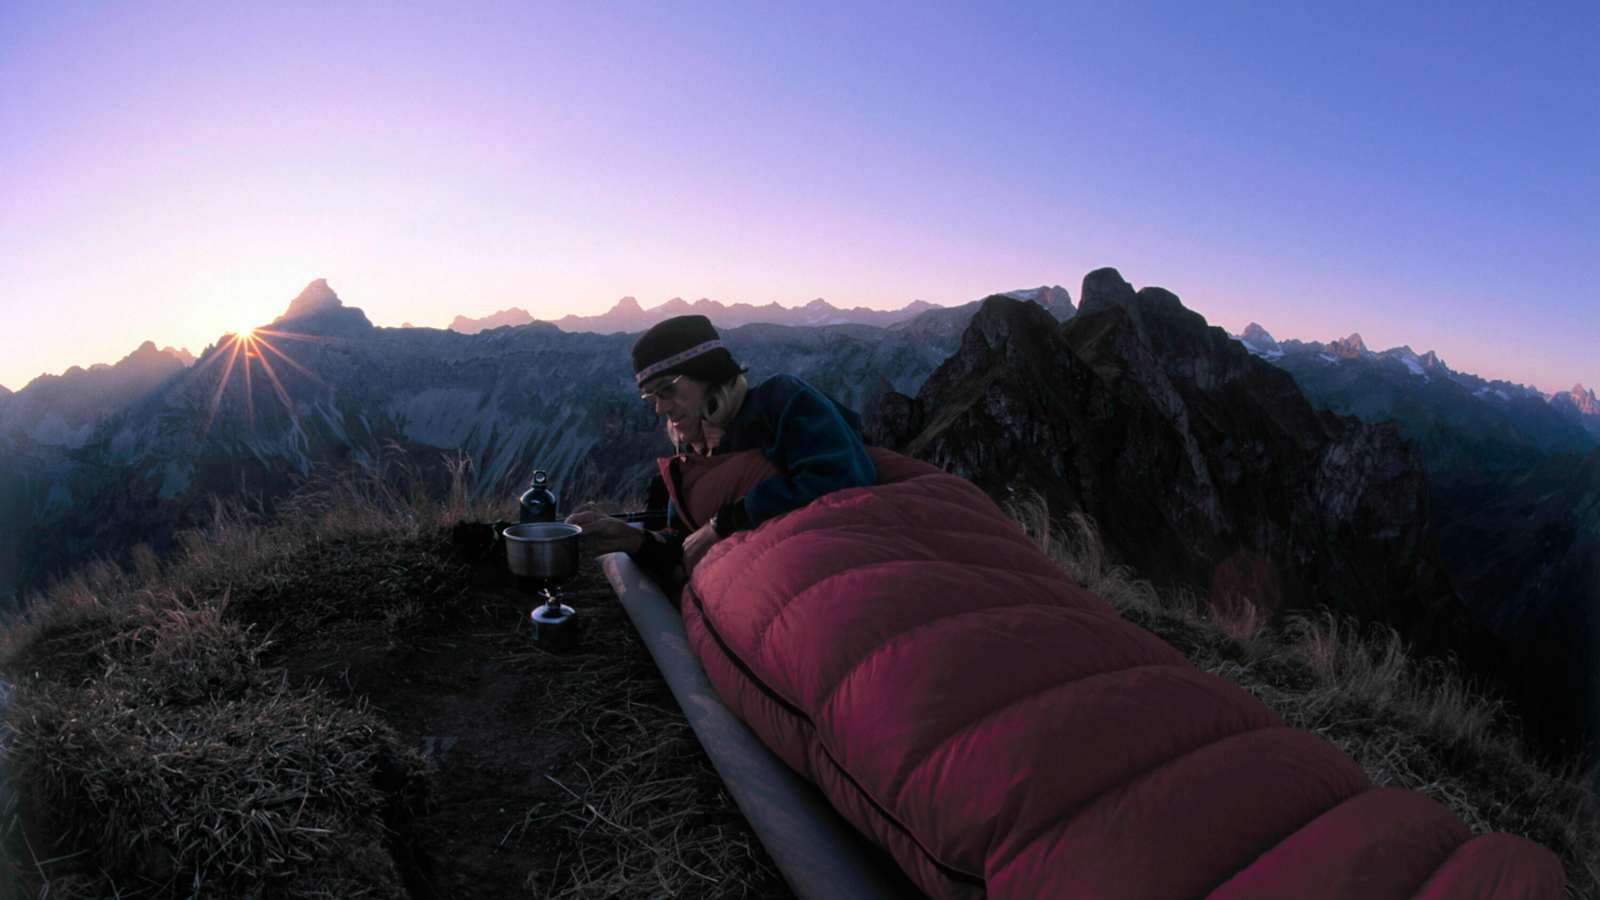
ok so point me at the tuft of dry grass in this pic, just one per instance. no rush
(150, 750)
(157, 753)
(643, 813)
(1410, 724)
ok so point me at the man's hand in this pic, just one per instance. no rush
(606, 534)
(696, 545)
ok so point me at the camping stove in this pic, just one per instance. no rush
(542, 556)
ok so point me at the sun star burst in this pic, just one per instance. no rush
(247, 349)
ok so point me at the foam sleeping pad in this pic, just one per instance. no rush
(1004, 733)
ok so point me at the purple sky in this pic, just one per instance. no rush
(173, 171)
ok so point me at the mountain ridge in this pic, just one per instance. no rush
(1458, 418)
(627, 315)
(1204, 467)
(509, 399)
(63, 409)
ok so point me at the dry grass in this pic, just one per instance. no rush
(1410, 724)
(158, 756)
(642, 813)
(155, 755)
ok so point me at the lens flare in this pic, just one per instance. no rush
(247, 348)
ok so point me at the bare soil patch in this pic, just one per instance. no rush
(567, 774)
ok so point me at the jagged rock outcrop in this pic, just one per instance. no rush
(949, 323)
(319, 311)
(1260, 342)
(316, 297)
(1351, 347)
(1580, 405)
(1054, 298)
(1204, 466)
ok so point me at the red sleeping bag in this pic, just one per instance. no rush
(1004, 733)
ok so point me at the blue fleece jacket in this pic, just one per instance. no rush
(814, 441)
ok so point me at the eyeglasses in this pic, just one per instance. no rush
(663, 391)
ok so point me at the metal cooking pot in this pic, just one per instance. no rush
(547, 551)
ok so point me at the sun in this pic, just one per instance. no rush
(248, 350)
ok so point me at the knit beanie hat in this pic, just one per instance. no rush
(683, 345)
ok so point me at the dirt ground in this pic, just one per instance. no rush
(569, 775)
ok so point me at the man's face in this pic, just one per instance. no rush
(680, 399)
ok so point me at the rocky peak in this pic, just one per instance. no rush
(1351, 347)
(1579, 405)
(314, 299)
(180, 354)
(627, 305)
(1173, 341)
(1002, 322)
(1053, 298)
(318, 310)
(1198, 461)
(1258, 337)
(1432, 362)
(1103, 288)
(146, 359)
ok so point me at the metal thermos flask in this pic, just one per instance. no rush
(538, 503)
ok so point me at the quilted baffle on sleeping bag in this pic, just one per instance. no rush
(1004, 733)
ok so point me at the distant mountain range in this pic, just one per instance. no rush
(64, 409)
(628, 316)
(1292, 473)
(1402, 375)
(1514, 477)
(96, 461)
(1465, 425)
